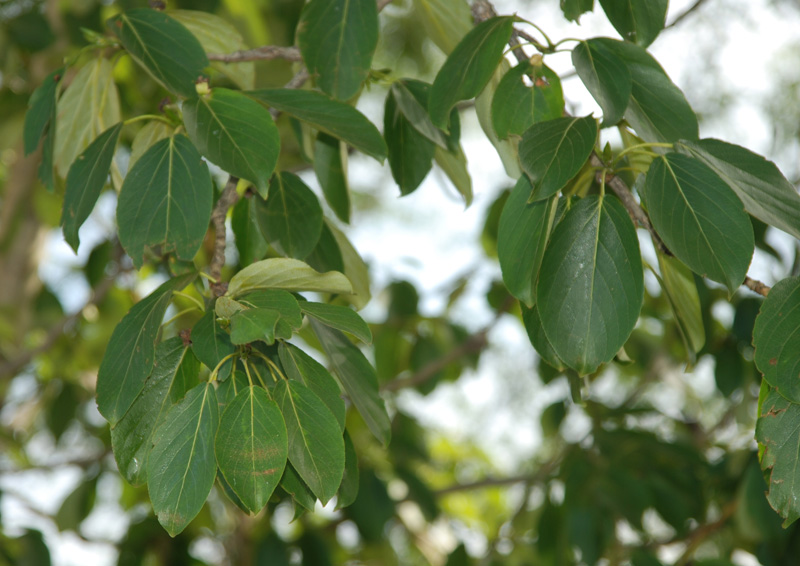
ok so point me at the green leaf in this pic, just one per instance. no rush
(289, 274)
(763, 189)
(211, 343)
(236, 133)
(591, 288)
(522, 236)
(291, 218)
(165, 201)
(410, 152)
(681, 290)
(358, 378)
(77, 505)
(606, 77)
(301, 367)
(316, 447)
(131, 352)
(249, 242)
(228, 390)
(454, 165)
(340, 318)
(538, 339)
(639, 21)
(251, 447)
(573, 9)
(348, 490)
(254, 324)
(85, 180)
(516, 106)
(153, 131)
(778, 431)
(411, 100)
(700, 219)
(174, 373)
(355, 269)
(301, 494)
(337, 39)
(41, 107)
(445, 22)
(330, 165)
(469, 67)
(218, 35)
(182, 467)
(279, 300)
(553, 152)
(163, 47)
(506, 149)
(330, 116)
(326, 256)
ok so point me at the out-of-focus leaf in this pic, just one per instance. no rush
(639, 21)
(573, 9)
(41, 107)
(348, 490)
(445, 22)
(355, 269)
(678, 283)
(330, 157)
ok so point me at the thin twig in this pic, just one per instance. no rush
(756, 286)
(263, 53)
(227, 199)
(685, 13)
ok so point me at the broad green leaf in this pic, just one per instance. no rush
(516, 106)
(299, 491)
(249, 242)
(411, 100)
(291, 318)
(506, 149)
(41, 106)
(254, 324)
(778, 431)
(678, 283)
(327, 115)
(165, 201)
(330, 165)
(316, 447)
(573, 9)
(326, 256)
(454, 165)
(700, 219)
(89, 106)
(153, 131)
(218, 35)
(538, 339)
(85, 180)
(776, 338)
(553, 152)
(251, 447)
(355, 269)
(228, 390)
(358, 378)
(236, 133)
(639, 21)
(337, 39)
(591, 285)
(445, 21)
(763, 189)
(522, 236)
(410, 152)
(291, 218)
(469, 67)
(300, 366)
(131, 352)
(606, 77)
(210, 343)
(348, 490)
(163, 47)
(340, 318)
(289, 274)
(181, 468)
(174, 373)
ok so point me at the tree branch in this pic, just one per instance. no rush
(227, 199)
(756, 286)
(685, 13)
(263, 53)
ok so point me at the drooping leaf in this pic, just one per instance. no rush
(254, 324)
(639, 21)
(165, 201)
(538, 339)
(573, 9)
(249, 242)
(410, 152)
(591, 285)
(174, 373)
(553, 152)
(235, 133)
(326, 256)
(358, 378)
(445, 22)
(340, 318)
(678, 283)
(41, 107)
(181, 468)
(506, 149)
(163, 47)
(606, 77)
(469, 67)
(337, 39)
(289, 274)
(355, 269)
(131, 352)
(330, 165)
(301, 495)
(348, 490)
(700, 219)
(411, 99)
(251, 447)
(153, 131)
(316, 447)
(516, 106)
(330, 116)
(454, 165)
(211, 343)
(85, 180)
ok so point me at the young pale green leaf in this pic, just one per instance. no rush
(89, 106)
(605, 76)
(348, 490)
(252, 447)
(316, 447)
(639, 21)
(358, 378)
(153, 131)
(254, 324)
(218, 35)
(277, 299)
(778, 432)
(522, 237)
(678, 283)
(454, 165)
(538, 339)
(330, 166)
(85, 180)
(330, 116)
(301, 495)
(235, 133)
(700, 219)
(131, 352)
(163, 47)
(340, 318)
(175, 372)
(289, 274)
(445, 22)
(573, 9)
(763, 189)
(469, 67)
(516, 106)
(354, 268)
(165, 201)
(41, 106)
(411, 100)
(553, 152)
(181, 468)
(249, 242)
(337, 39)
(591, 284)
(211, 343)
(410, 152)
(291, 218)
(300, 366)
(506, 149)
(225, 307)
